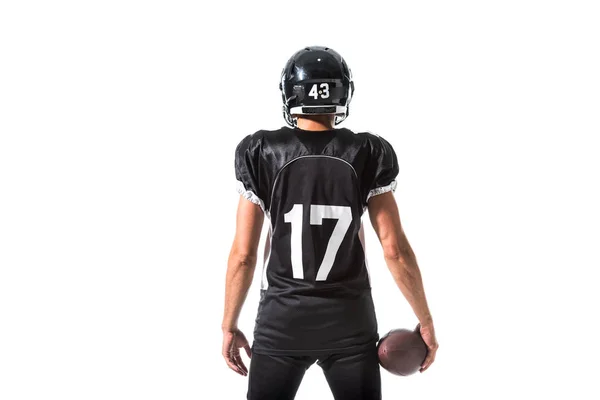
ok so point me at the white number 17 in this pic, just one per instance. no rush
(317, 213)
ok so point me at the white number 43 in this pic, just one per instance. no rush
(317, 213)
(324, 92)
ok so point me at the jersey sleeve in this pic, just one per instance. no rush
(385, 166)
(247, 157)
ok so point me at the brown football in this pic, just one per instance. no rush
(402, 351)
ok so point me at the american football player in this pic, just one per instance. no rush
(313, 182)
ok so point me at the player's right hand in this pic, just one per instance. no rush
(233, 340)
(428, 334)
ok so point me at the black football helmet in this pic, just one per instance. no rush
(316, 80)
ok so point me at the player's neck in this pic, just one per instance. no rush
(315, 123)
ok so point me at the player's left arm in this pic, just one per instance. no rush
(240, 270)
(402, 263)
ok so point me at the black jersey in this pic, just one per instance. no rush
(314, 187)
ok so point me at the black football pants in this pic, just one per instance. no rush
(350, 376)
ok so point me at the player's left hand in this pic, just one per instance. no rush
(232, 342)
(428, 334)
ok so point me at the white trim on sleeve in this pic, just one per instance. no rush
(249, 195)
(383, 189)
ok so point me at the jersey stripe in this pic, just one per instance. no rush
(298, 158)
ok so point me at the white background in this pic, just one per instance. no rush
(118, 123)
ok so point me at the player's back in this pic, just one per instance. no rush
(314, 187)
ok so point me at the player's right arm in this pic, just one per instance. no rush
(402, 263)
(240, 270)
(242, 258)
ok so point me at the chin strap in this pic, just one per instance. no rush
(339, 119)
(291, 121)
